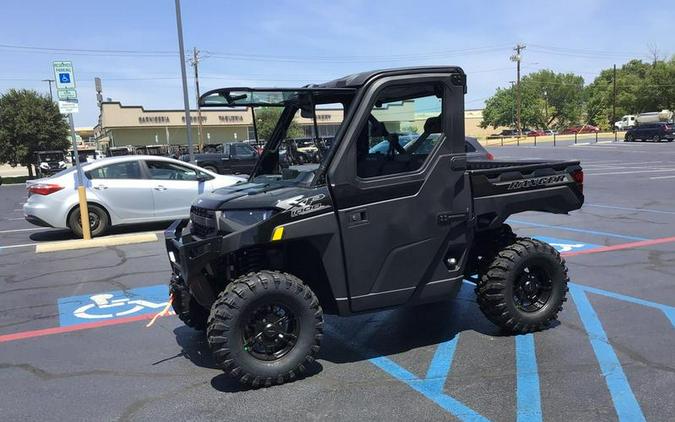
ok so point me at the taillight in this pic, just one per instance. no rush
(44, 188)
(578, 176)
(490, 156)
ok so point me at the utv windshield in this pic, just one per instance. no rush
(50, 157)
(297, 126)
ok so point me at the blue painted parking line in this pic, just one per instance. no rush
(625, 403)
(431, 386)
(528, 396)
(75, 310)
(566, 245)
(574, 229)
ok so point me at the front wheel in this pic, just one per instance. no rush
(265, 328)
(523, 288)
(212, 169)
(99, 222)
(656, 138)
(186, 306)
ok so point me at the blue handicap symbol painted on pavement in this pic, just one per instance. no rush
(64, 78)
(566, 245)
(75, 310)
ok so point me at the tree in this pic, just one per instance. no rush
(266, 120)
(640, 87)
(29, 122)
(547, 99)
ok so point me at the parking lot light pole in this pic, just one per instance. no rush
(186, 99)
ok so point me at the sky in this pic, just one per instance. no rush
(133, 46)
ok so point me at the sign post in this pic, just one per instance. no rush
(68, 104)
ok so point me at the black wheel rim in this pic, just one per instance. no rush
(532, 289)
(94, 221)
(270, 332)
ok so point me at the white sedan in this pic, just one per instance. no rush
(121, 190)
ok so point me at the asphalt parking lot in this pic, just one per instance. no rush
(66, 356)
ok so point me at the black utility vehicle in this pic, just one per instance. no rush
(227, 158)
(48, 163)
(651, 132)
(361, 231)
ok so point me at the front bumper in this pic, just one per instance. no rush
(192, 258)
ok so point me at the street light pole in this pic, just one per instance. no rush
(50, 87)
(186, 99)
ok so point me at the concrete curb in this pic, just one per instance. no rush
(127, 239)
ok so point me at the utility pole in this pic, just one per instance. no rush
(516, 58)
(614, 100)
(186, 99)
(195, 63)
(51, 97)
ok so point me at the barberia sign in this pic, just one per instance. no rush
(153, 119)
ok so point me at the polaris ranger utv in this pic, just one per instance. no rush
(262, 261)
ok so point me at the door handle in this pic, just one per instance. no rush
(160, 187)
(100, 187)
(357, 218)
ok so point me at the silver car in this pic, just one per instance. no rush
(121, 190)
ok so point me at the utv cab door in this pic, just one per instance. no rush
(403, 213)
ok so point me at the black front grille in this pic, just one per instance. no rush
(203, 221)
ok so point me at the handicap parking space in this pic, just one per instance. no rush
(73, 328)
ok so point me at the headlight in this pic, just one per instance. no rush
(44, 166)
(62, 164)
(248, 217)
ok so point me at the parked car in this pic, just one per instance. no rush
(550, 132)
(506, 133)
(120, 190)
(49, 162)
(537, 132)
(580, 129)
(232, 158)
(651, 132)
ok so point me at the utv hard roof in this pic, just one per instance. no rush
(357, 80)
(346, 83)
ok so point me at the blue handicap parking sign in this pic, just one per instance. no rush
(112, 305)
(64, 78)
(566, 245)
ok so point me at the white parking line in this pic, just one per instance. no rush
(627, 172)
(661, 177)
(25, 245)
(22, 230)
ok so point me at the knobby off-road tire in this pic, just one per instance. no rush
(186, 307)
(524, 286)
(265, 328)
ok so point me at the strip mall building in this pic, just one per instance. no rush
(134, 125)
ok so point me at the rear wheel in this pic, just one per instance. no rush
(628, 138)
(99, 221)
(265, 328)
(656, 138)
(523, 288)
(211, 169)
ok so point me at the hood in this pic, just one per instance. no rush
(253, 196)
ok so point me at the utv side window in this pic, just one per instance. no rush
(403, 128)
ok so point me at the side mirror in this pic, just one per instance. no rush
(201, 178)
